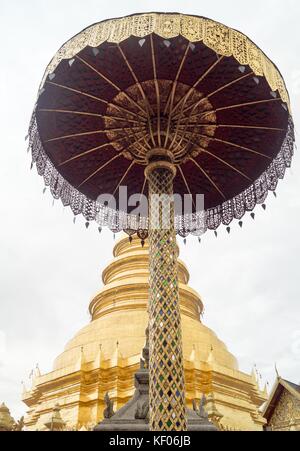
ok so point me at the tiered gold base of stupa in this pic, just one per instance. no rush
(104, 355)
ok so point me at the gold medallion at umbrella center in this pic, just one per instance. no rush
(160, 113)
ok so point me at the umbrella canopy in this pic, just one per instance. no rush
(187, 84)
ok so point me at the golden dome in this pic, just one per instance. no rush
(104, 355)
(119, 314)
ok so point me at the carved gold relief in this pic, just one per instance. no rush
(286, 411)
(192, 29)
(218, 38)
(168, 25)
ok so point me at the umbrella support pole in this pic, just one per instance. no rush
(166, 391)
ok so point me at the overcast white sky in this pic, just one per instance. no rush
(50, 268)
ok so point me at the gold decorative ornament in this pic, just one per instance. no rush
(145, 126)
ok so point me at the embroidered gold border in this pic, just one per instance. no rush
(220, 38)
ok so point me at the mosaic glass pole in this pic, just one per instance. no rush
(166, 391)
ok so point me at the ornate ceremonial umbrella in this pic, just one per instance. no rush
(162, 104)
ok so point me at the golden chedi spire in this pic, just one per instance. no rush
(121, 305)
(7, 423)
(104, 355)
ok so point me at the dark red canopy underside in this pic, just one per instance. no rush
(260, 126)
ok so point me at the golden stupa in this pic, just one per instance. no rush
(104, 355)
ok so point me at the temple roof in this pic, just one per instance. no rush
(294, 386)
(279, 386)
